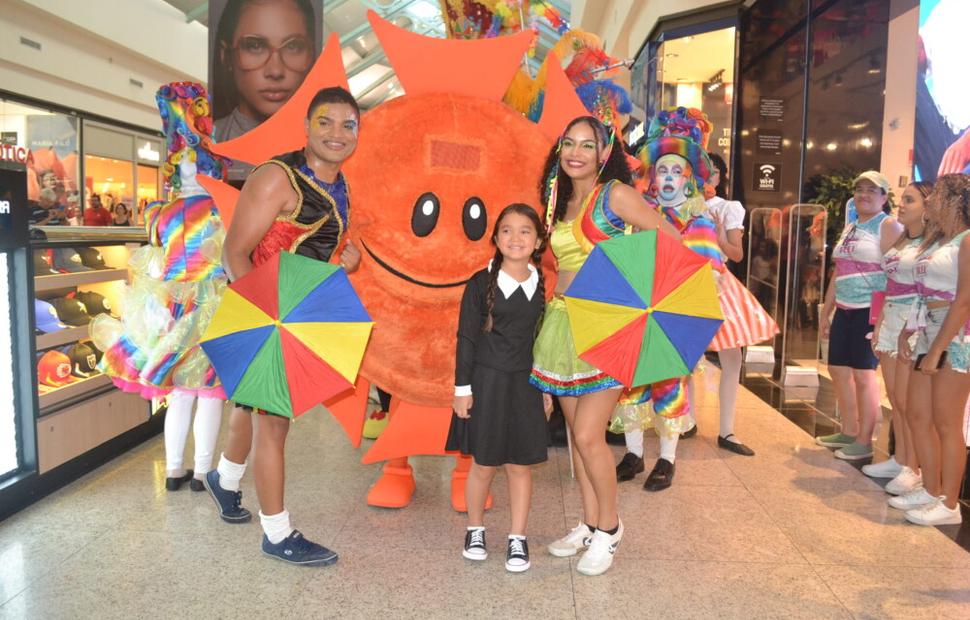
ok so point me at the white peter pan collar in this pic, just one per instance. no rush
(507, 284)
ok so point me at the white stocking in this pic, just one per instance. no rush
(177, 421)
(634, 442)
(208, 420)
(728, 390)
(668, 446)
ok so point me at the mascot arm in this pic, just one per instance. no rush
(469, 329)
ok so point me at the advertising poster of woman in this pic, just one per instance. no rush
(259, 53)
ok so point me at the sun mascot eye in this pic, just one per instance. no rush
(425, 215)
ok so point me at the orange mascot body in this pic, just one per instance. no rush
(430, 174)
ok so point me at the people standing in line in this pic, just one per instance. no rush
(586, 180)
(858, 274)
(297, 202)
(499, 416)
(939, 383)
(899, 264)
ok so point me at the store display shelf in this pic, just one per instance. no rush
(73, 390)
(63, 280)
(65, 336)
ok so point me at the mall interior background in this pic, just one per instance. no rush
(802, 93)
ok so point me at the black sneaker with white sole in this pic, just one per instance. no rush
(517, 555)
(475, 544)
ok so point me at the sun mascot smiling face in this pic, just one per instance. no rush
(430, 174)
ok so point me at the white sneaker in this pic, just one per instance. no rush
(935, 514)
(599, 557)
(907, 481)
(887, 469)
(913, 499)
(572, 543)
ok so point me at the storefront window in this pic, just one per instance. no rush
(697, 71)
(149, 190)
(9, 457)
(845, 96)
(51, 143)
(107, 182)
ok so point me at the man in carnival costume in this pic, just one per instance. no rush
(296, 202)
(677, 168)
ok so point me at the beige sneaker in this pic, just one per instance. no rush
(935, 514)
(906, 481)
(572, 543)
(599, 557)
(913, 499)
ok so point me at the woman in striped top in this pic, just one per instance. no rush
(858, 274)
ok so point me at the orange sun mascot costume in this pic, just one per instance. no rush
(431, 172)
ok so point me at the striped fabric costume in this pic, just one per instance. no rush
(177, 279)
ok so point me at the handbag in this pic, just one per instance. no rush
(875, 306)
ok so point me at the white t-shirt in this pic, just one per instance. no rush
(731, 212)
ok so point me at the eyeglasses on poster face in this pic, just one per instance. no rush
(253, 52)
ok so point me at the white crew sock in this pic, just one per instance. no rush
(208, 419)
(668, 447)
(178, 418)
(276, 527)
(230, 473)
(634, 442)
(728, 389)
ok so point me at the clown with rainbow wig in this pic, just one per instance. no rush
(677, 170)
(176, 283)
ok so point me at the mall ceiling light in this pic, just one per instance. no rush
(858, 126)
(832, 146)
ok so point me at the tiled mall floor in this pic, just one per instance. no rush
(790, 533)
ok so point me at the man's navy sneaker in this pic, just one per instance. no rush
(298, 550)
(227, 501)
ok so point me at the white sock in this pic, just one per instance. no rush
(728, 389)
(634, 442)
(208, 419)
(230, 473)
(276, 527)
(177, 421)
(668, 447)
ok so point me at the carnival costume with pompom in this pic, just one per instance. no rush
(684, 132)
(177, 279)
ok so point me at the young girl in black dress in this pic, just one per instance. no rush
(499, 417)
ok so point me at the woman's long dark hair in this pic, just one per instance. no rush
(526, 211)
(222, 87)
(722, 183)
(616, 167)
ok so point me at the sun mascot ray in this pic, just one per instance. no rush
(432, 170)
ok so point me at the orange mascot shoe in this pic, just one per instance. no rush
(395, 487)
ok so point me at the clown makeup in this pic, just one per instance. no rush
(671, 179)
(332, 132)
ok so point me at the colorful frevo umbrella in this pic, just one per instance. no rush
(643, 308)
(288, 335)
